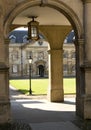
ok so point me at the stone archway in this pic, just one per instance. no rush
(57, 5)
(62, 8)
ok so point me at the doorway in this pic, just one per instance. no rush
(41, 70)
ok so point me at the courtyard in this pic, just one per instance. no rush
(40, 86)
(41, 114)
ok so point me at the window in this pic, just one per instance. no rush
(65, 54)
(65, 41)
(73, 55)
(14, 55)
(40, 55)
(73, 68)
(28, 54)
(12, 39)
(25, 39)
(65, 67)
(15, 68)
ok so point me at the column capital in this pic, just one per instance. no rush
(86, 65)
(54, 50)
(81, 41)
(6, 41)
(3, 66)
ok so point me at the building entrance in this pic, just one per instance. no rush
(41, 70)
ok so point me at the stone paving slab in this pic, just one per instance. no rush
(54, 126)
(41, 114)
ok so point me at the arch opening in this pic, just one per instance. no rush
(69, 64)
(19, 65)
(66, 11)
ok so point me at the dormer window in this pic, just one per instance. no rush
(12, 39)
(25, 39)
(65, 41)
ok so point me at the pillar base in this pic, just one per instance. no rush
(83, 106)
(80, 106)
(5, 115)
(56, 95)
(87, 107)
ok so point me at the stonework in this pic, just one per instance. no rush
(19, 56)
(77, 12)
(19, 59)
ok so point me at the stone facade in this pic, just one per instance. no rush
(19, 55)
(77, 17)
(69, 60)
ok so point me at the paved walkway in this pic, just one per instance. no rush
(41, 114)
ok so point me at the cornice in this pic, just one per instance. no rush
(86, 1)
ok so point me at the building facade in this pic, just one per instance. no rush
(20, 51)
(56, 19)
(19, 60)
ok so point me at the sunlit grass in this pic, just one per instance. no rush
(69, 85)
(40, 86)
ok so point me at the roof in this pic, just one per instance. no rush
(70, 37)
(19, 35)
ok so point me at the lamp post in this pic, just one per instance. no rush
(30, 61)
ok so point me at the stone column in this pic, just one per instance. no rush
(87, 64)
(4, 76)
(4, 89)
(4, 94)
(80, 78)
(55, 36)
(81, 51)
(79, 70)
(87, 29)
(55, 92)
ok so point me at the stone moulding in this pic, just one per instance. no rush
(86, 66)
(3, 67)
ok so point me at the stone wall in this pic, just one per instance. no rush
(19, 55)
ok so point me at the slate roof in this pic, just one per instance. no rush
(70, 37)
(19, 35)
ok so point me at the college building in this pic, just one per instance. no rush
(20, 50)
(49, 22)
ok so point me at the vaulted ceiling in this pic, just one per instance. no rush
(45, 16)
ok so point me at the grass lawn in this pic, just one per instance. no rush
(40, 86)
(69, 85)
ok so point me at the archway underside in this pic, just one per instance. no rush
(56, 29)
